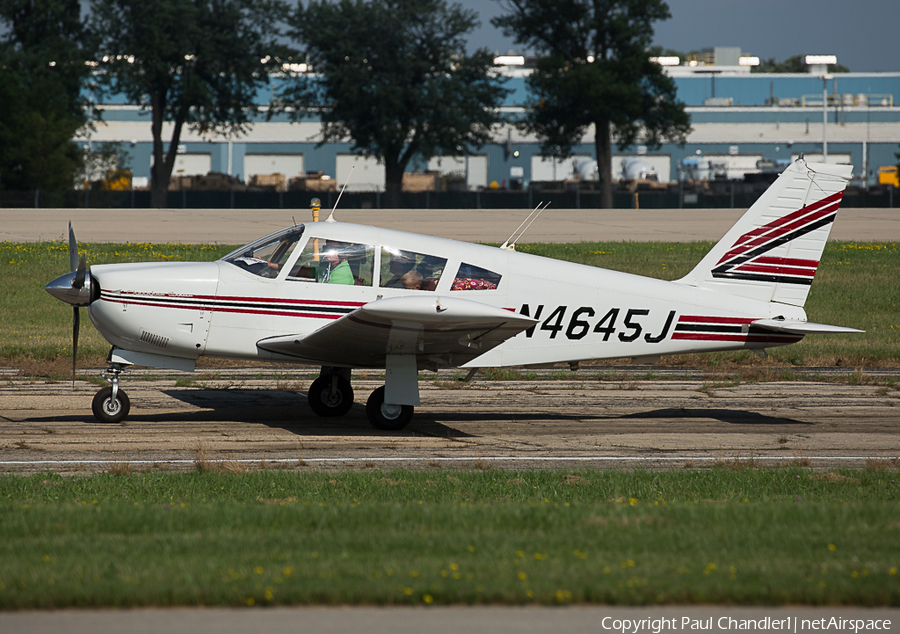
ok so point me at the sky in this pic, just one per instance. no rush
(864, 34)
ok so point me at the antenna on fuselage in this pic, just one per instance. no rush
(331, 216)
(510, 244)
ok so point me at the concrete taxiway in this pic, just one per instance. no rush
(607, 417)
(239, 226)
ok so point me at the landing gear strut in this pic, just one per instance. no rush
(110, 404)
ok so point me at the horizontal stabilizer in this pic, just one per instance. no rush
(432, 328)
(797, 327)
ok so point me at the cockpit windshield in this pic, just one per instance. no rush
(266, 256)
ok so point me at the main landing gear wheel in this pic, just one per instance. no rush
(330, 396)
(385, 416)
(109, 410)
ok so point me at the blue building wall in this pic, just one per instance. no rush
(757, 89)
(750, 94)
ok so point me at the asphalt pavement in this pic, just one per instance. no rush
(455, 619)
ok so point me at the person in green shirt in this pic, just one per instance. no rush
(336, 269)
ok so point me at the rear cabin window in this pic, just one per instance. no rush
(411, 270)
(474, 278)
(332, 262)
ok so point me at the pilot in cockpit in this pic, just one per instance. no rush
(266, 259)
(336, 268)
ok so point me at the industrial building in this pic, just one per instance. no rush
(742, 121)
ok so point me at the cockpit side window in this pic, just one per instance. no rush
(333, 262)
(266, 256)
(474, 278)
(411, 270)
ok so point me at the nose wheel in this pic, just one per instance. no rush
(110, 404)
(108, 408)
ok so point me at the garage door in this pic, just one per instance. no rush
(548, 168)
(192, 165)
(736, 165)
(834, 159)
(288, 164)
(478, 166)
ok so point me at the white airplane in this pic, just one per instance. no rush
(345, 296)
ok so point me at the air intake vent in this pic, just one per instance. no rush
(154, 340)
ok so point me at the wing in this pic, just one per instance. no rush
(444, 331)
(796, 327)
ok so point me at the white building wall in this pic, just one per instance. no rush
(367, 173)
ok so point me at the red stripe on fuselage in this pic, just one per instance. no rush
(233, 298)
(715, 320)
(224, 309)
(701, 336)
(747, 338)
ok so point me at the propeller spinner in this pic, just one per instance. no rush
(73, 288)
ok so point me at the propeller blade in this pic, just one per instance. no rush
(76, 323)
(73, 249)
(78, 280)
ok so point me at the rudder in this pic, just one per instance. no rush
(772, 252)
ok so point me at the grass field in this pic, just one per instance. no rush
(857, 285)
(726, 535)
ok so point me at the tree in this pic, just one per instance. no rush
(593, 69)
(195, 62)
(99, 159)
(393, 76)
(794, 64)
(42, 71)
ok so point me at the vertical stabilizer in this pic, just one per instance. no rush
(773, 251)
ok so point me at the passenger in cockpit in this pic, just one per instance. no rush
(412, 280)
(399, 266)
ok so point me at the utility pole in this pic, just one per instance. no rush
(825, 79)
(818, 65)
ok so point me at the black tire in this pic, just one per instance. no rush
(108, 411)
(387, 417)
(324, 402)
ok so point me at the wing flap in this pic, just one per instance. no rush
(446, 330)
(797, 327)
